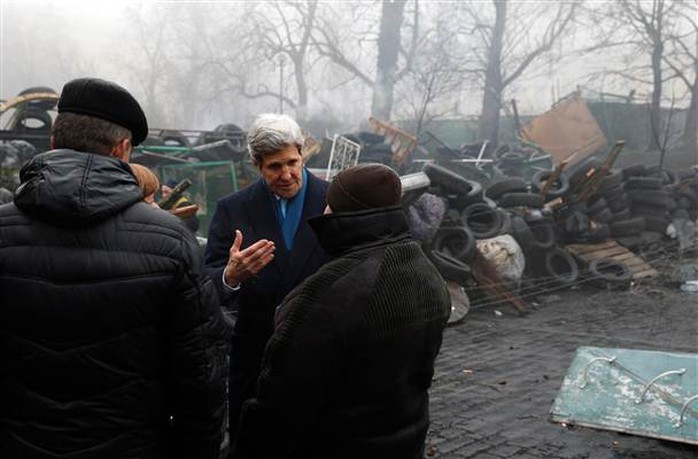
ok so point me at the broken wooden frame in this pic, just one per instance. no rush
(401, 143)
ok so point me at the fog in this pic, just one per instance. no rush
(195, 65)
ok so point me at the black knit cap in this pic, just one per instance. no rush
(365, 186)
(105, 100)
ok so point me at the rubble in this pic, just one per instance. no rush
(610, 213)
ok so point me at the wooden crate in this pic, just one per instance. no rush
(611, 249)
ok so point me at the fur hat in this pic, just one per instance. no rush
(365, 186)
(105, 100)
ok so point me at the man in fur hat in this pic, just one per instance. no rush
(346, 372)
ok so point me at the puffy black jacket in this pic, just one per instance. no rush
(346, 373)
(111, 341)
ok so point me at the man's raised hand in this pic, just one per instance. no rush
(243, 264)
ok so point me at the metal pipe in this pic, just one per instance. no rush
(680, 371)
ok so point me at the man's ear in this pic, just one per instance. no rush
(122, 150)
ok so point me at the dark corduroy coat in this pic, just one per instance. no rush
(112, 344)
(346, 373)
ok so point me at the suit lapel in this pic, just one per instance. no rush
(265, 225)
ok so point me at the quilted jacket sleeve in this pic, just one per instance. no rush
(198, 338)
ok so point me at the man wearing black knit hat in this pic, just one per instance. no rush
(347, 370)
(113, 342)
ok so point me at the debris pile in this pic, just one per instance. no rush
(548, 216)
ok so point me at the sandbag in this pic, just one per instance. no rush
(505, 255)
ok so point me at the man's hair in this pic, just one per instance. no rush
(86, 133)
(271, 133)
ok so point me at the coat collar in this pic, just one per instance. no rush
(346, 232)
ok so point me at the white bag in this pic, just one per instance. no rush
(505, 255)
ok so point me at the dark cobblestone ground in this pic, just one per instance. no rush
(497, 376)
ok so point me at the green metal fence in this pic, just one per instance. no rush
(211, 180)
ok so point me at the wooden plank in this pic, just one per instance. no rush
(608, 253)
(610, 249)
(646, 273)
(636, 263)
(591, 247)
(625, 256)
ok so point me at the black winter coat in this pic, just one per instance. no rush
(346, 373)
(111, 341)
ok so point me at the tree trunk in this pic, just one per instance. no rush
(386, 65)
(655, 107)
(302, 88)
(492, 97)
(690, 134)
(188, 109)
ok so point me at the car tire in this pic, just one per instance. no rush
(456, 241)
(610, 274)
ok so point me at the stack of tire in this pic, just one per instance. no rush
(533, 228)
(653, 196)
(638, 203)
(470, 216)
(589, 221)
(594, 220)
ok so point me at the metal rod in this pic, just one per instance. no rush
(680, 371)
(683, 409)
(482, 152)
(610, 360)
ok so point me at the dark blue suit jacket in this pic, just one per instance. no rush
(253, 211)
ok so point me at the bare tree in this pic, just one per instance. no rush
(431, 88)
(643, 29)
(648, 22)
(386, 64)
(188, 73)
(278, 33)
(682, 59)
(507, 48)
(149, 60)
(389, 68)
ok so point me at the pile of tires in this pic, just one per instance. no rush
(470, 216)
(509, 206)
(636, 203)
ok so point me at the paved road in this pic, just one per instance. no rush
(497, 376)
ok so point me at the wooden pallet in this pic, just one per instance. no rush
(609, 248)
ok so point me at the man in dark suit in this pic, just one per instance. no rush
(252, 279)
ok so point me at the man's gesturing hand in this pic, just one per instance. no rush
(243, 264)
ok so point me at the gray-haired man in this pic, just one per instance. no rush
(260, 246)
